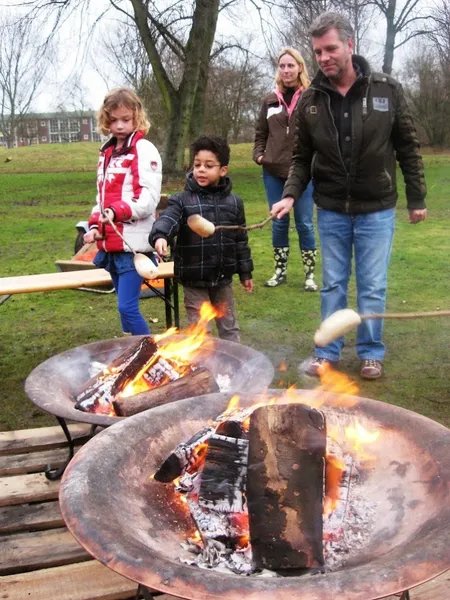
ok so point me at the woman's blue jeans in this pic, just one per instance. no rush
(370, 237)
(303, 214)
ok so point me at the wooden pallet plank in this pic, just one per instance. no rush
(435, 589)
(30, 517)
(33, 462)
(40, 438)
(83, 581)
(31, 551)
(19, 489)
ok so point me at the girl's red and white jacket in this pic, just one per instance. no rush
(129, 183)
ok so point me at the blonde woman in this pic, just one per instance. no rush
(274, 143)
(128, 190)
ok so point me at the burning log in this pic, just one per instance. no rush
(102, 388)
(285, 484)
(184, 457)
(200, 381)
(223, 477)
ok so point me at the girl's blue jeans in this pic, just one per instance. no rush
(128, 288)
(369, 236)
(303, 214)
(127, 283)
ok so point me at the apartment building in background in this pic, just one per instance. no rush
(55, 128)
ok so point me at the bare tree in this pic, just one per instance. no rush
(405, 20)
(235, 88)
(23, 64)
(428, 94)
(187, 32)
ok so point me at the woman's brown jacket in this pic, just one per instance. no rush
(274, 136)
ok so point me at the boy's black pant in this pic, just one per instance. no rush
(221, 297)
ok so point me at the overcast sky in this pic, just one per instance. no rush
(71, 61)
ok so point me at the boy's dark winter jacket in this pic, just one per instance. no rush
(211, 261)
(382, 131)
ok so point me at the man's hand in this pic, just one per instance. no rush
(161, 247)
(247, 284)
(417, 214)
(259, 159)
(281, 208)
(91, 236)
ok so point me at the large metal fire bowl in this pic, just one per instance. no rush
(53, 384)
(133, 525)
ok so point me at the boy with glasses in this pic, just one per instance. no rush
(205, 266)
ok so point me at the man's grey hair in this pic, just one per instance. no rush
(331, 20)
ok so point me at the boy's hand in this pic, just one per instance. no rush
(247, 284)
(161, 247)
(91, 236)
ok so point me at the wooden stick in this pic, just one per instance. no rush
(412, 315)
(248, 227)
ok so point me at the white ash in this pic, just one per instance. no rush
(223, 381)
(347, 529)
(96, 367)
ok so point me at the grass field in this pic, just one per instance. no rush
(45, 190)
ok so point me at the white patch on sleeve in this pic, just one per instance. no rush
(274, 110)
(381, 104)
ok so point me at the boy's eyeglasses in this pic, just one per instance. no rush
(206, 165)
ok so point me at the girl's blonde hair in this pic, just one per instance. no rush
(118, 98)
(303, 77)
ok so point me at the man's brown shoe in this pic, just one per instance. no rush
(317, 364)
(371, 369)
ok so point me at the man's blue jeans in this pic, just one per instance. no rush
(303, 214)
(370, 237)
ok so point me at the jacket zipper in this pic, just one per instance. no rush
(347, 201)
(219, 246)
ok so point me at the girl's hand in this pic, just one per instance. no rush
(248, 285)
(161, 247)
(107, 216)
(91, 236)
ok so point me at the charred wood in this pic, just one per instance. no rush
(224, 473)
(200, 381)
(185, 456)
(102, 388)
(285, 484)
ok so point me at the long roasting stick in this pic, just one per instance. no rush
(247, 227)
(205, 228)
(343, 321)
(411, 315)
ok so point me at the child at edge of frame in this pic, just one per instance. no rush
(205, 266)
(129, 177)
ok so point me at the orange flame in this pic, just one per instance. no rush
(334, 470)
(358, 436)
(179, 353)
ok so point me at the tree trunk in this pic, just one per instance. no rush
(390, 38)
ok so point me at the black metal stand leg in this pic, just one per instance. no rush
(405, 595)
(144, 592)
(168, 296)
(53, 474)
(176, 306)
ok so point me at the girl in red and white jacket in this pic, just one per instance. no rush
(129, 178)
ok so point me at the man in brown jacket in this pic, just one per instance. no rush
(352, 125)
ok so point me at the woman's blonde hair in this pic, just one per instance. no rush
(118, 98)
(303, 77)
